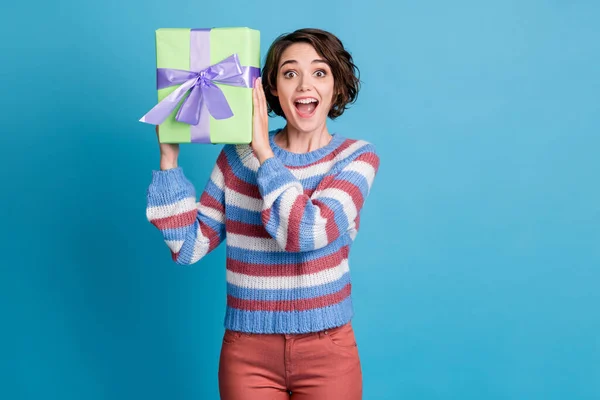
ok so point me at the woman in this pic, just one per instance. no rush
(289, 206)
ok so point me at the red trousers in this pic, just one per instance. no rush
(321, 365)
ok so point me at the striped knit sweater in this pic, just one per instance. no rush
(288, 226)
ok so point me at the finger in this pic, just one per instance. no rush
(259, 103)
(256, 92)
(261, 93)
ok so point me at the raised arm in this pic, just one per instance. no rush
(191, 228)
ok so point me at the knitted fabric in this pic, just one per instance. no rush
(288, 225)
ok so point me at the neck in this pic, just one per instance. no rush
(296, 141)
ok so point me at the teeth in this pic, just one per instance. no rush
(306, 101)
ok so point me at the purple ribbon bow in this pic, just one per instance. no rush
(203, 91)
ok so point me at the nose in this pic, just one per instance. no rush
(303, 84)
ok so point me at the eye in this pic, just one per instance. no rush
(289, 74)
(320, 73)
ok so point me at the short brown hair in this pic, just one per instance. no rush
(345, 74)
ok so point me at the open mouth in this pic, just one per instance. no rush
(306, 106)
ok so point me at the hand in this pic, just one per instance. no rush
(260, 130)
(168, 154)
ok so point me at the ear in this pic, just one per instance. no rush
(274, 92)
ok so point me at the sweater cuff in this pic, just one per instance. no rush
(170, 180)
(272, 174)
(270, 167)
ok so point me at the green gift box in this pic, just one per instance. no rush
(205, 79)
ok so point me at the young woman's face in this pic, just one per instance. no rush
(304, 87)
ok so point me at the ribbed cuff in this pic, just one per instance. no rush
(271, 175)
(170, 180)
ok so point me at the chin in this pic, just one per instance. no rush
(305, 123)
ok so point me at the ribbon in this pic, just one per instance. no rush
(204, 94)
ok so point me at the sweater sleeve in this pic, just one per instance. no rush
(190, 228)
(301, 223)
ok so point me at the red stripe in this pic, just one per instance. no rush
(290, 305)
(176, 221)
(325, 182)
(233, 182)
(351, 189)
(371, 158)
(242, 228)
(331, 228)
(292, 269)
(294, 220)
(242, 187)
(265, 215)
(347, 143)
(211, 234)
(208, 201)
(223, 163)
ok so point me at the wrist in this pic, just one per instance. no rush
(167, 164)
(264, 155)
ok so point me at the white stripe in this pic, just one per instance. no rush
(212, 213)
(217, 177)
(285, 209)
(174, 245)
(345, 200)
(319, 231)
(288, 282)
(352, 233)
(200, 246)
(364, 168)
(241, 200)
(253, 243)
(179, 207)
(248, 158)
(361, 167)
(218, 180)
(324, 167)
(272, 196)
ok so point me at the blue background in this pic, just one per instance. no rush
(477, 267)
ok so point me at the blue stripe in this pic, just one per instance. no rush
(312, 182)
(340, 165)
(187, 250)
(239, 214)
(214, 191)
(272, 225)
(176, 234)
(158, 197)
(357, 179)
(212, 223)
(237, 167)
(314, 320)
(287, 294)
(307, 239)
(273, 175)
(339, 216)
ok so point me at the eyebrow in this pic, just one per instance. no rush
(318, 60)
